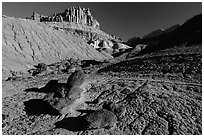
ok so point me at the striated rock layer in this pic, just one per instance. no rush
(77, 15)
(26, 43)
(80, 23)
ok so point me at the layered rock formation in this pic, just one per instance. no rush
(26, 43)
(79, 22)
(77, 15)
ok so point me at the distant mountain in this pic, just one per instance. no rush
(160, 32)
(154, 34)
(189, 33)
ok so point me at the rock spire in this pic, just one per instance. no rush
(76, 14)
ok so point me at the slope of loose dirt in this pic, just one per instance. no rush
(80, 30)
(26, 43)
(162, 93)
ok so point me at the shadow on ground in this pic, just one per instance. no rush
(73, 124)
(46, 89)
(38, 106)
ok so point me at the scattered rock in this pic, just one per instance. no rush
(41, 67)
(101, 119)
(74, 92)
(65, 96)
(118, 110)
(4, 16)
(76, 78)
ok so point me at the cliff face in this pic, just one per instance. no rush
(77, 15)
(26, 43)
(79, 22)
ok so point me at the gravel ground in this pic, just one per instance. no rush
(162, 94)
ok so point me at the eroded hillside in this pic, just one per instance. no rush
(26, 43)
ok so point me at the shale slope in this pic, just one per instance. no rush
(28, 42)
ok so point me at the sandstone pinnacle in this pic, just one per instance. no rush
(76, 15)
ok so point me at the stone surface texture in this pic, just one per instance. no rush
(77, 15)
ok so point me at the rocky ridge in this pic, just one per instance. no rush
(189, 33)
(77, 15)
(79, 22)
(76, 18)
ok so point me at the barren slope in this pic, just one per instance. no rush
(26, 43)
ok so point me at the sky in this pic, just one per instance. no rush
(122, 19)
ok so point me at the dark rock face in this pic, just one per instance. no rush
(189, 33)
(153, 34)
(134, 41)
(159, 32)
(77, 15)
